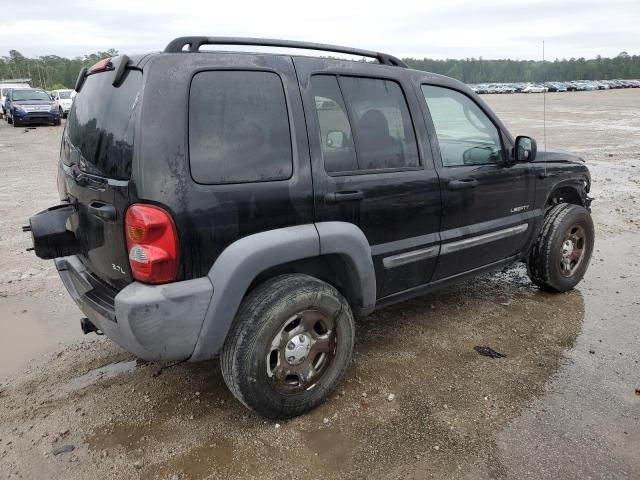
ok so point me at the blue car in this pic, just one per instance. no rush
(29, 106)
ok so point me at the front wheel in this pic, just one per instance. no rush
(561, 255)
(289, 346)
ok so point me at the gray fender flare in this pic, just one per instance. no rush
(241, 262)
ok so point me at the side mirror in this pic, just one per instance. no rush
(526, 149)
(336, 139)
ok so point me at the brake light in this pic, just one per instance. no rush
(101, 65)
(152, 242)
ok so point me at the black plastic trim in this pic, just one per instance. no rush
(194, 43)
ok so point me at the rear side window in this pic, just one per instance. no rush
(364, 124)
(101, 124)
(238, 128)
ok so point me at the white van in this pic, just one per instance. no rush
(5, 87)
(64, 100)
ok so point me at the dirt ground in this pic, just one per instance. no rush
(563, 404)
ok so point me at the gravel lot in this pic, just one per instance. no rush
(418, 402)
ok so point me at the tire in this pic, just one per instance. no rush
(57, 122)
(257, 362)
(15, 122)
(560, 257)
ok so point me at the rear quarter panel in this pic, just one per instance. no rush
(210, 217)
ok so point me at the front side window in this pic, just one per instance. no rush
(465, 134)
(238, 128)
(364, 124)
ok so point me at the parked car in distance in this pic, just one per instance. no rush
(555, 87)
(275, 205)
(533, 88)
(63, 100)
(5, 88)
(30, 106)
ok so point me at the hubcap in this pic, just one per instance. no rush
(298, 349)
(301, 351)
(572, 250)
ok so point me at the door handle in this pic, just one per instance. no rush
(102, 210)
(464, 183)
(346, 196)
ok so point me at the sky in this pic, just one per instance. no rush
(442, 29)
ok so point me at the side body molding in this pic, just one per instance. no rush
(242, 261)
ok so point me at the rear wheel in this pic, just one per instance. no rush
(289, 346)
(561, 255)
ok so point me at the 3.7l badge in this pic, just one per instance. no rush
(118, 268)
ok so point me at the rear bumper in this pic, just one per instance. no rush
(154, 322)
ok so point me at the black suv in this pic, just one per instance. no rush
(252, 204)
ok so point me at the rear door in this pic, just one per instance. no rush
(372, 165)
(224, 147)
(488, 200)
(95, 169)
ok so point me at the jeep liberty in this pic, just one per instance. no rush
(250, 205)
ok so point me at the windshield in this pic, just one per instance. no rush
(64, 95)
(21, 95)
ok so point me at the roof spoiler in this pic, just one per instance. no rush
(193, 44)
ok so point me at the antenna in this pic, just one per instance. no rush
(544, 100)
(544, 108)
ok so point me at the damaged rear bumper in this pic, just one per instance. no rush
(154, 322)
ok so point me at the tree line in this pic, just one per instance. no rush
(51, 71)
(478, 70)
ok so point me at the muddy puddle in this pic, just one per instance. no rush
(32, 327)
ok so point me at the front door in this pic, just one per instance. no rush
(372, 165)
(487, 199)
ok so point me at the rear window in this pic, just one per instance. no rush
(101, 124)
(238, 128)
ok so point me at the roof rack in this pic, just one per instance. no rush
(194, 43)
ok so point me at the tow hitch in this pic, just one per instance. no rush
(88, 327)
(48, 228)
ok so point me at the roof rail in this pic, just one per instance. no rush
(194, 43)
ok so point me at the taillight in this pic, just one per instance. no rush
(152, 242)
